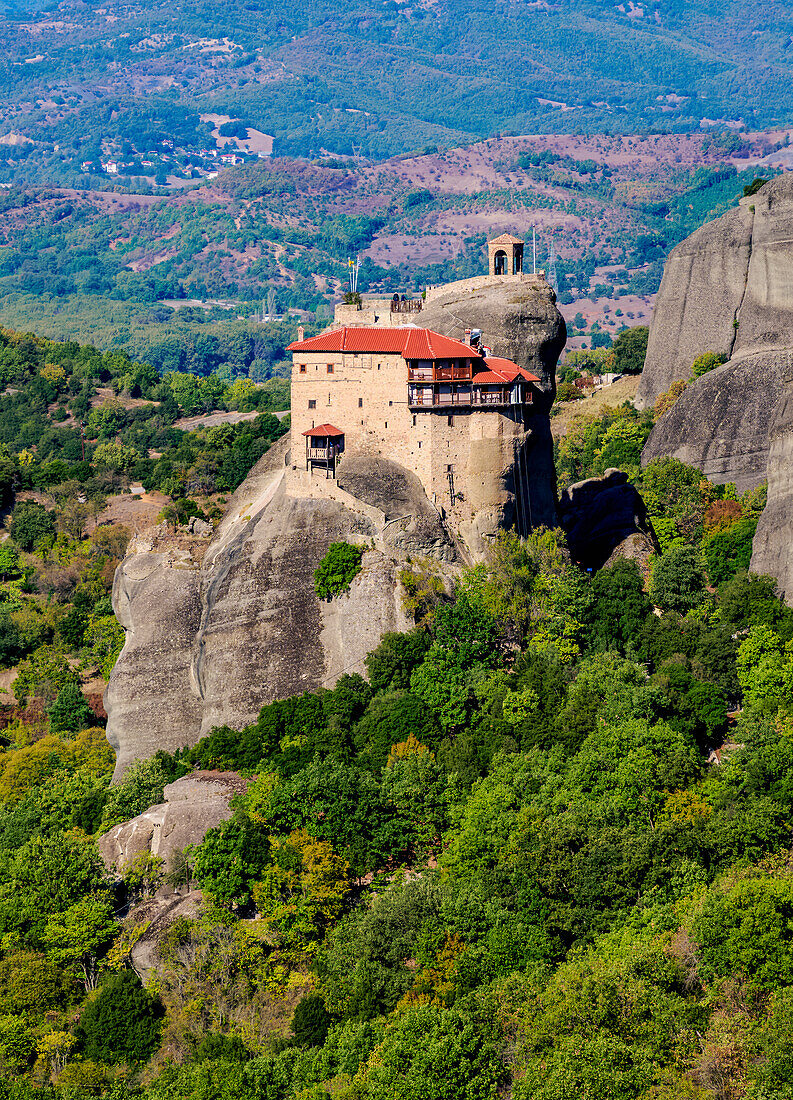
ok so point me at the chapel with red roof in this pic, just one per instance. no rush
(447, 410)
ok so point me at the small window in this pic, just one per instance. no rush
(328, 398)
(386, 423)
(360, 404)
(450, 421)
(390, 402)
(419, 444)
(414, 422)
(312, 404)
(302, 368)
(378, 366)
(330, 368)
(450, 468)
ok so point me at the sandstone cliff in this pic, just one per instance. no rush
(521, 322)
(605, 519)
(217, 628)
(727, 288)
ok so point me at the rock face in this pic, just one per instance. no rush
(604, 519)
(727, 288)
(721, 423)
(521, 322)
(193, 805)
(217, 628)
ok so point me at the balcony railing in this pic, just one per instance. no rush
(475, 399)
(323, 452)
(412, 305)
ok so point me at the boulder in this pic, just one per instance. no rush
(605, 518)
(193, 805)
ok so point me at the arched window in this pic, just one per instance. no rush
(500, 262)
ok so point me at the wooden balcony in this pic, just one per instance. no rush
(322, 454)
(496, 398)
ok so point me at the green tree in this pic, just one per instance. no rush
(122, 1023)
(337, 570)
(77, 937)
(70, 711)
(310, 1021)
(31, 523)
(629, 350)
(678, 583)
(230, 859)
(619, 607)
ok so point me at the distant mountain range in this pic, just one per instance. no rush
(380, 78)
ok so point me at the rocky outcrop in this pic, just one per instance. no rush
(217, 625)
(193, 805)
(518, 319)
(727, 288)
(772, 550)
(217, 628)
(720, 423)
(604, 519)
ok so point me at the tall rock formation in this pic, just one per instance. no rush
(218, 626)
(519, 319)
(729, 288)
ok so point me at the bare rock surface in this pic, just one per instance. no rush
(193, 805)
(216, 630)
(721, 422)
(518, 320)
(605, 518)
(772, 550)
(729, 288)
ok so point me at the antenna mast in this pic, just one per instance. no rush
(534, 247)
(553, 281)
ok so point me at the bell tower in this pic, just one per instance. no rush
(505, 255)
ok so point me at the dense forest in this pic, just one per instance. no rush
(541, 848)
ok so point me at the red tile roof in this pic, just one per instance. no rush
(410, 343)
(501, 371)
(324, 429)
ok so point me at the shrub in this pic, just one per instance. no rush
(30, 523)
(70, 711)
(337, 570)
(629, 350)
(566, 391)
(678, 583)
(707, 362)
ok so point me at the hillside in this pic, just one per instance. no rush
(541, 848)
(113, 266)
(378, 78)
